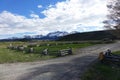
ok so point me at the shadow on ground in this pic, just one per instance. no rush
(71, 70)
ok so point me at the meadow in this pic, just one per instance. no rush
(8, 55)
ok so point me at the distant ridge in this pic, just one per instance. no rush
(49, 36)
(65, 36)
(95, 35)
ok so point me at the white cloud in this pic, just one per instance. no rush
(69, 15)
(11, 23)
(39, 6)
(34, 16)
(72, 12)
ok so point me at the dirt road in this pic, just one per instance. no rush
(64, 68)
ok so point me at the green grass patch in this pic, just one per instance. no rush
(117, 52)
(11, 56)
(100, 71)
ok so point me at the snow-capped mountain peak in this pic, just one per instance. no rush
(57, 34)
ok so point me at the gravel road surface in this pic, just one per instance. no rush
(63, 68)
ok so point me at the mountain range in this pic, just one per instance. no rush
(65, 36)
(50, 36)
(53, 35)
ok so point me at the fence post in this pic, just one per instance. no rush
(31, 50)
(45, 51)
(70, 51)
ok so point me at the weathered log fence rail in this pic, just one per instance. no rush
(113, 58)
(64, 52)
(109, 58)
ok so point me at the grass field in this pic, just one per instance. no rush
(117, 52)
(100, 71)
(12, 56)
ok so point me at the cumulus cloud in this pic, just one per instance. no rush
(34, 16)
(39, 6)
(69, 15)
(13, 23)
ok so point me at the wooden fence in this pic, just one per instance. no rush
(109, 58)
(46, 51)
(64, 52)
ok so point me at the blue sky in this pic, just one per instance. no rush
(26, 7)
(36, 17)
